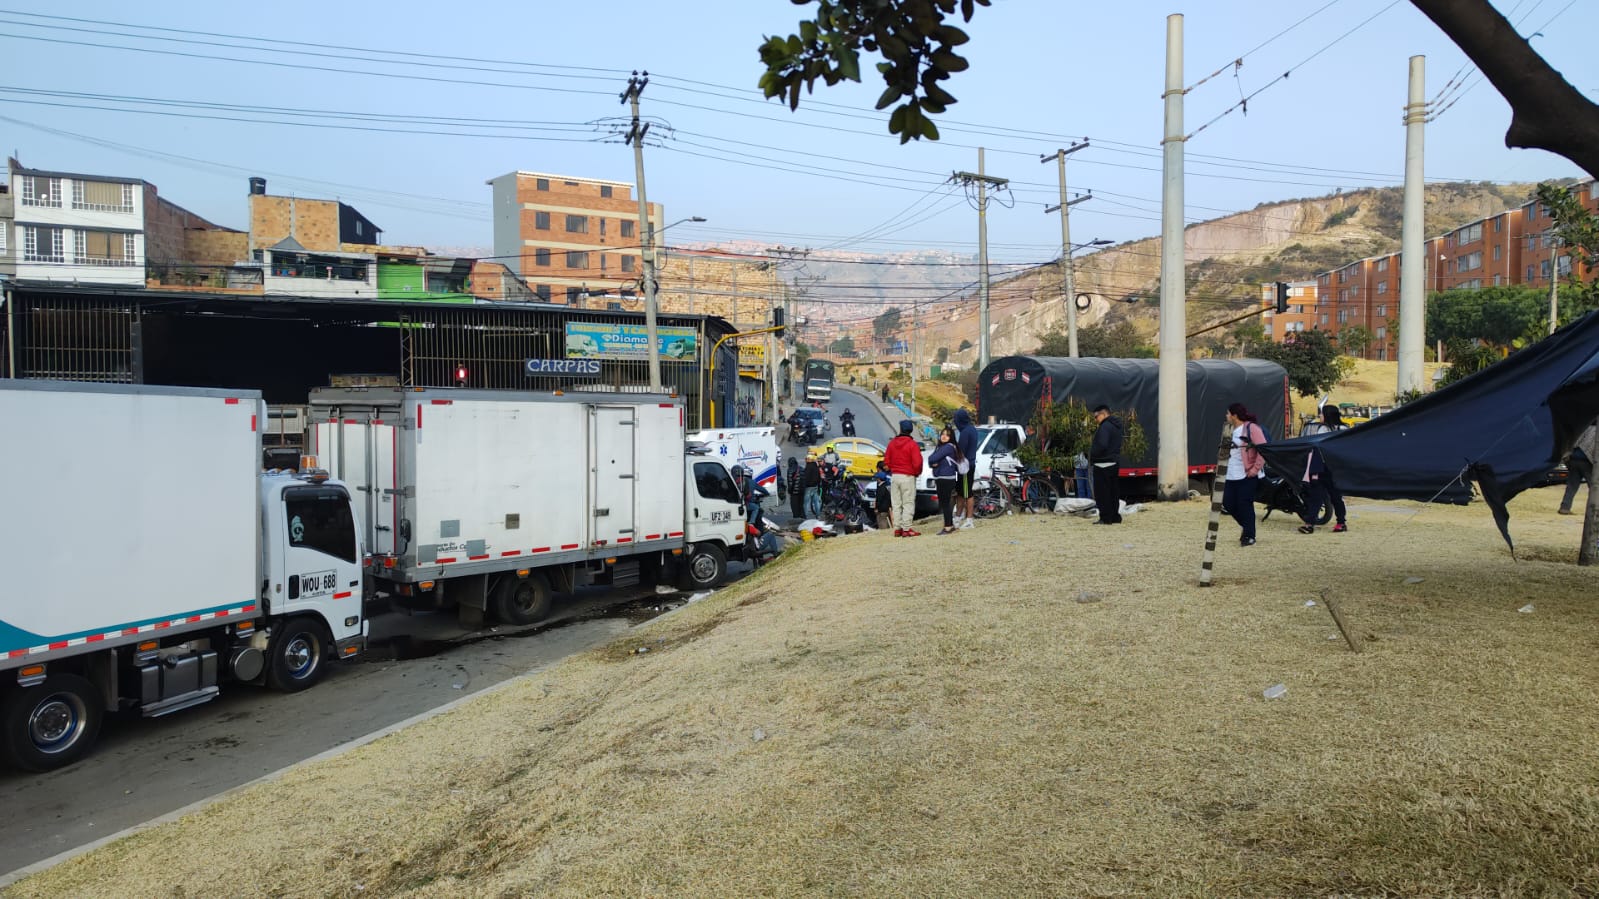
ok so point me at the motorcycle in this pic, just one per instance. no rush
(847, 423)
(1280, 494)
(761, 545)
(844, 500)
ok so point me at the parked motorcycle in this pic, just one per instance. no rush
(1281, 494)
(844, 500)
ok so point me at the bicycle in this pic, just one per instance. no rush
(1027, 489)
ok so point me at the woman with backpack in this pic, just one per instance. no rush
(1244, 468)
(945, 463)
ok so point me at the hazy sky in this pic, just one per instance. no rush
(492, 87)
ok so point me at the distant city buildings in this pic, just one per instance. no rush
(1360, 300)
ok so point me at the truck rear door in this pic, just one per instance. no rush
(614, 473)
(360, 449)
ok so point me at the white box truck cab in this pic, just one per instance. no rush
(148, 561)
(489, 501)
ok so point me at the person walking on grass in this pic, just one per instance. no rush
(1244, 468)
(1318, 479)
(1105, 455)
(1579, 468)
(966, 438)
(945, 463)
(904, 461)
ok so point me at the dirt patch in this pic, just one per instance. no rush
(941, 717)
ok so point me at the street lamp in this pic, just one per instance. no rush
(649, 301)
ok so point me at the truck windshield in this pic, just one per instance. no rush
(319, 518)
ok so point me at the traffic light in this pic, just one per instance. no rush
(1282, 297)
(460, 376)
(777, 320)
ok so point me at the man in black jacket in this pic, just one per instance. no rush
(1105, 455)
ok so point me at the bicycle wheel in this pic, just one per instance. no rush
(990, 503)
(1040, 495)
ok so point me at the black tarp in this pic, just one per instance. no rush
(1504, 427)
(1011, 389)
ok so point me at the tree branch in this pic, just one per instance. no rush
(1547, 113)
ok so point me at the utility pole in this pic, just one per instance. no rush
(1412, 265)
(1172, 473)
(983, 182)
(1068, 287)
(912, 350)
(635, 136)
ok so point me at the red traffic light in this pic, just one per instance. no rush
(460, 374)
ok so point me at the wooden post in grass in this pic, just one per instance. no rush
(1216, 482)
(1338, 619)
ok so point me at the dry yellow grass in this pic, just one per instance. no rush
(945, 716)
(1372, 383)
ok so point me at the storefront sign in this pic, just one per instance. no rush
(752, 355)
(571, 368)
(597, 340)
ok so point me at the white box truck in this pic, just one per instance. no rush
(490, 500)
(148, 560)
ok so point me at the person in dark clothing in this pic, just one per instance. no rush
(1245, 467)
(885, 496)
(812, 479)
(945, 463)
(1579, 470)
(1105, 456)
(1318, 478)
(966, 440)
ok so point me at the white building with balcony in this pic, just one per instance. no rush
(71, 228)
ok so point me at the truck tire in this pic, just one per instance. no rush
(297, 656)
(523, 600)
(51, 725)
(704, 567)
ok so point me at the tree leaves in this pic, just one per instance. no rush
(912, 37)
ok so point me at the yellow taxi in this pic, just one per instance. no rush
(858, 455)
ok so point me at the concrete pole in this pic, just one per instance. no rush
(1172, 480)
(1412, 244)
(647, 252)
(982, 265)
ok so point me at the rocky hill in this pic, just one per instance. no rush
(1227, 259)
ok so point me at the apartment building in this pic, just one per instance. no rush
(1303, 310)
(75, 228)
(571, 238)
(1541, 257)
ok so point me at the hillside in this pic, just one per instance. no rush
(1227, 259)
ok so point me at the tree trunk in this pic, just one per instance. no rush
(1547, 113)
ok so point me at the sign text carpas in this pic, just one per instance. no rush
(599, 340)
(579, 368)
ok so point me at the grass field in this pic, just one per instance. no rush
(1037, 707)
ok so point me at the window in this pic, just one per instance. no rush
(570, 183)
(102, 196)
(1469, 234)
(627, 263)
(572, 294)
(1469, 262)
(1324, 318)
(1472, 284)
(1382, 287)
(542, 184)
(1497, 252)
(605, 191)
(1382, 264)
(1003, 441)
(1499, 224)
(627, 228)
(577, 224)
(1593, 190)
(541, 221)
(1343, 316)
(602, 227)
(713, 482)
(1382, 354)
(1342, 276)
(602, 262)
(1382, 311)
(1529, 273)
(1343, 295)
(577, 259)
(542, 291)
(1498, 280)
(37, 191)
(1543, 269)
(1382, 332)
(2, 237)
(319, 518)
(541, 256)
(103, 248)
(1563, 266)
(43, 245)
(359, 228)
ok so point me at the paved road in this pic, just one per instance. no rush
(141, 769)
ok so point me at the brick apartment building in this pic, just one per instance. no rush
(1512, 247)
(570, 238)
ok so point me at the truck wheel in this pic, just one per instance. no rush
(51, 725)
(524, 600)
(704, 568)
(298, 655)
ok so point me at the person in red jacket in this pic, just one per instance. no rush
(903, 459)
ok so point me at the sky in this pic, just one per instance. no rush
(405, 114)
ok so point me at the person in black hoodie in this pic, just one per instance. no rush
(1105, 455)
